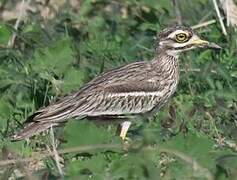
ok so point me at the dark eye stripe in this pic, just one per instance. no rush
(180, 48)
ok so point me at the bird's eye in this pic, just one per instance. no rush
(181, 38)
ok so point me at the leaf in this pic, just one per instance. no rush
(5, 34)
(193, 154)
(179, 170)
(197, 147)
(133, 166)
(19, 148)
(72, 80)
(55, 58)
(227, 164)
(77, 133)
(93, 167)
(6, 110)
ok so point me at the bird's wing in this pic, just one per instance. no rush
(122, 98)
(116, 92)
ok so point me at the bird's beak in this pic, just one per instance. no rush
(202, 43)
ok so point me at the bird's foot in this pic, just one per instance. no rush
(124, 129)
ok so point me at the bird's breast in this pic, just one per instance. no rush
(166, 83)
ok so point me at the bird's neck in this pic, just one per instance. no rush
(165, 60)
(166, 66)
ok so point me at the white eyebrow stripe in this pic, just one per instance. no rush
(172, 35)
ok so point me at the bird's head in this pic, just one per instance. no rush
(180, 38)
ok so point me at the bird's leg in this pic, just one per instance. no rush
(124, 129)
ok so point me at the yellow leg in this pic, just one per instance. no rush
(124, 129)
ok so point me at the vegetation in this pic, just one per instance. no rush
(193, 137)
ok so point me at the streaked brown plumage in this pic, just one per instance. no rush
(137, 88)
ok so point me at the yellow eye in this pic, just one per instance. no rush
(181, 37)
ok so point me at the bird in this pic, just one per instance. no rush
(138, 88)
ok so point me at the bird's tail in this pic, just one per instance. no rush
(30, 129)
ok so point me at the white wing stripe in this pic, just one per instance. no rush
(138, 93)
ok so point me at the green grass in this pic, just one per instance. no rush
(192, 137)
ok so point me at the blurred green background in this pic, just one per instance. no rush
(61, 45)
